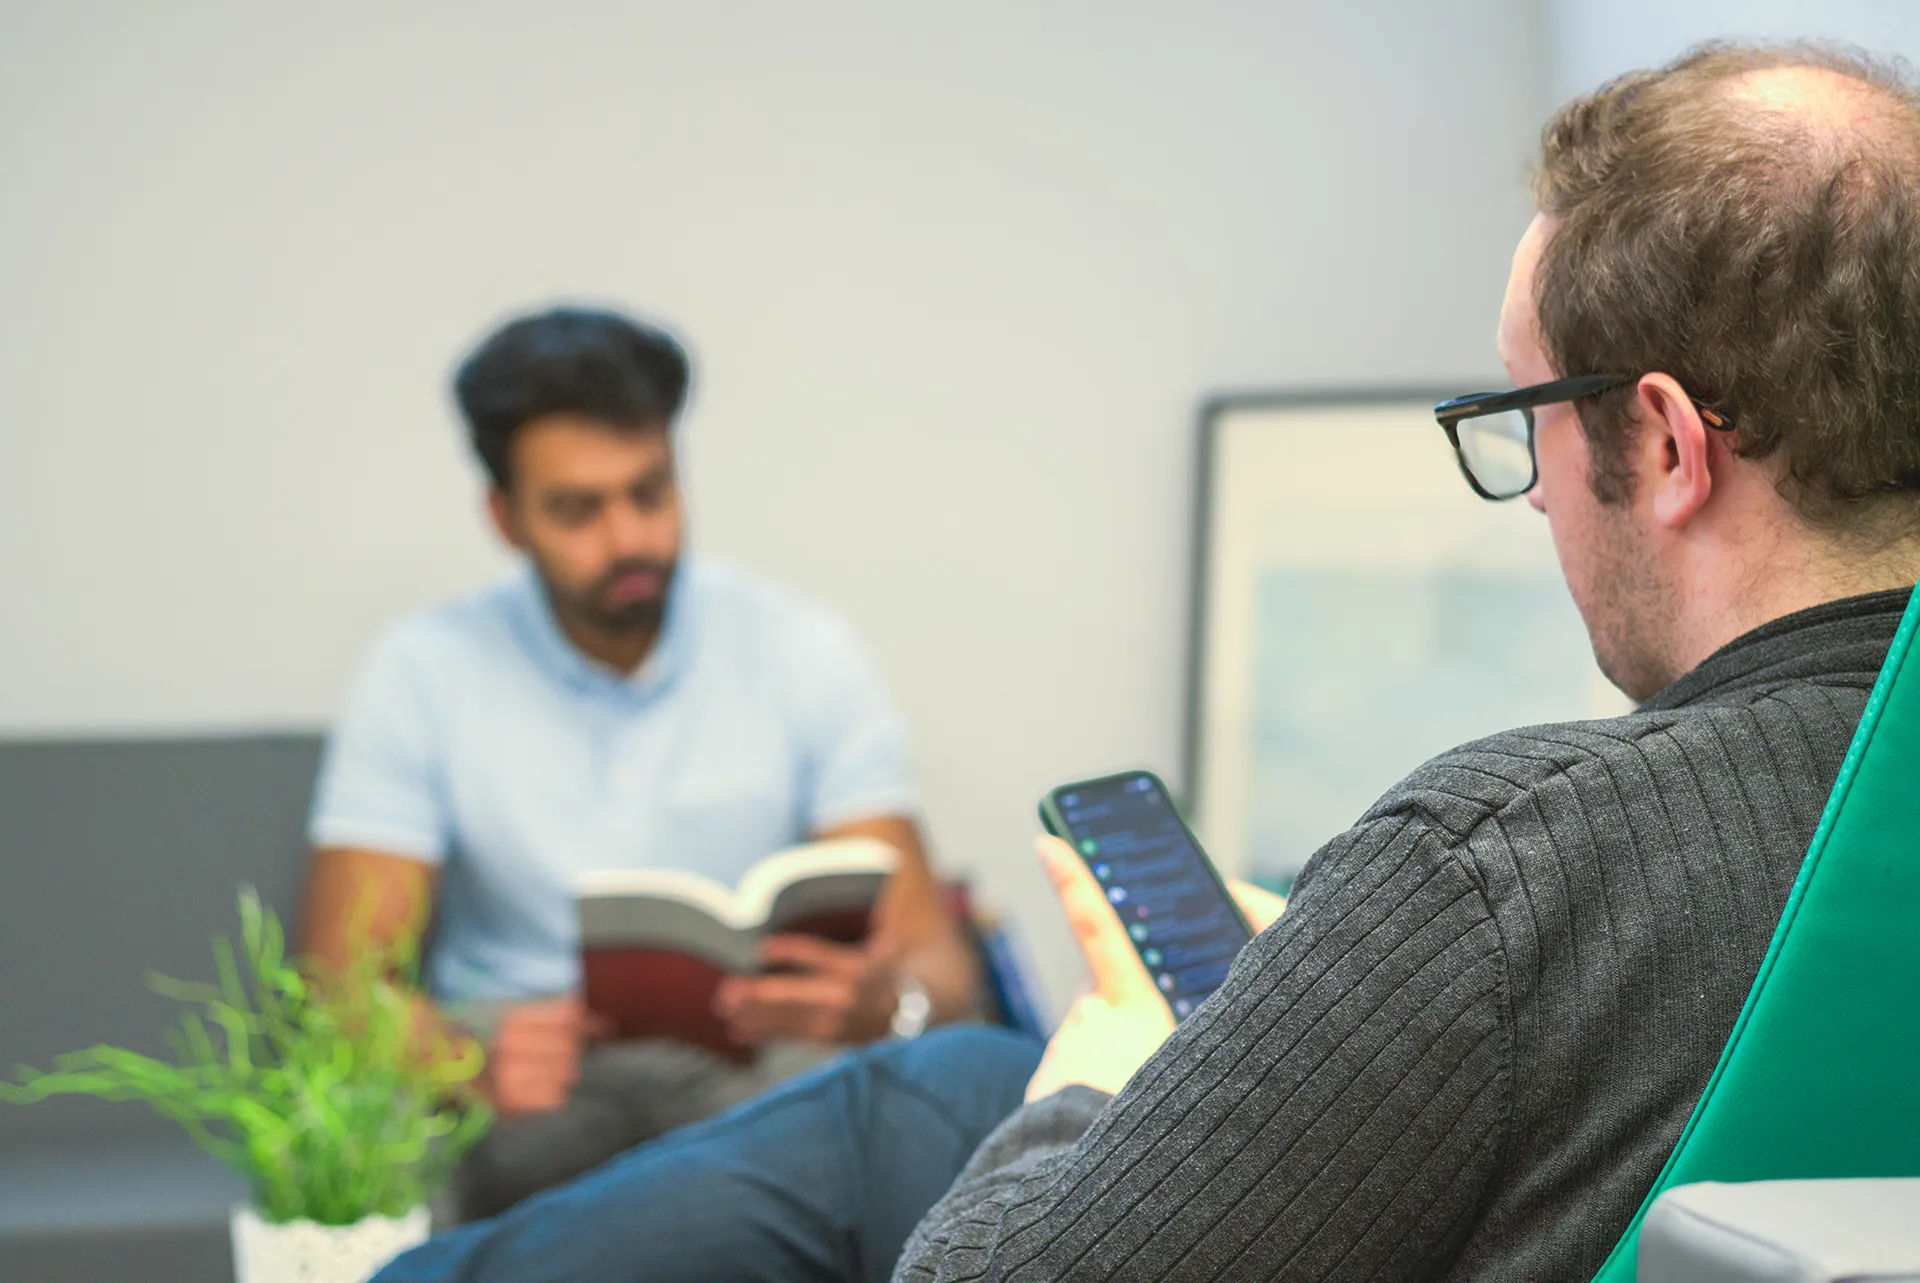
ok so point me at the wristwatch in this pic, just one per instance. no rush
(913, 1010)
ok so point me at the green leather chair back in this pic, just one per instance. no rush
(1821, 1076)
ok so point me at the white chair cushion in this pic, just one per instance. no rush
(1828, 1231)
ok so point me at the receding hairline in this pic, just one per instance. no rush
(1747, 217)
(1836, 109)
(1801, 111)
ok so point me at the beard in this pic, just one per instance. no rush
(1629, 609)
(598, 607)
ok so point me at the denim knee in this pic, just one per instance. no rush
(988, 1049)
(976, 1073)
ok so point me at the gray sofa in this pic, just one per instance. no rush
(118, 857)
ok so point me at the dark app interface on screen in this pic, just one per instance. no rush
(1158, 882)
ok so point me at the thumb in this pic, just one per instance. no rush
(1118, 974)
(810, 953)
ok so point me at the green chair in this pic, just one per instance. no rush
(1821, 1076)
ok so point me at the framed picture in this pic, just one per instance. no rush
(1357, 610)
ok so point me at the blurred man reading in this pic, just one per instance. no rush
(615, 704)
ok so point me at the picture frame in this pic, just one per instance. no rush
(1356, 609)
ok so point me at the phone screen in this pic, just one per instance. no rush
(1172, 903)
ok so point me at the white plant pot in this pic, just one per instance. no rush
(308, 1252)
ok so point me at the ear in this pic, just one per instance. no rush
(1677, 453)
(500, 508)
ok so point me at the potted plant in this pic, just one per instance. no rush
(343, 1110)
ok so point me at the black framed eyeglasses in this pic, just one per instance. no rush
(1492, 432)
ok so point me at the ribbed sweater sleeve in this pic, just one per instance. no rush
(1334, 1112)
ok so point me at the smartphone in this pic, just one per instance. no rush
(1183, 923)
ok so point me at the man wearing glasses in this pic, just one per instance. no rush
(1469, 1044)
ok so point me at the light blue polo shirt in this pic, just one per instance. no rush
(476, 737)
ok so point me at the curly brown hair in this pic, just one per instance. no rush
(1758, 238)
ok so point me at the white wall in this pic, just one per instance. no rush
(956, 278)
(1589, 41)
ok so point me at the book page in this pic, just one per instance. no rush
(765, 881)
(746, 907)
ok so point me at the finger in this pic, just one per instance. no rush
(530, 1101)
(1260, 907)
(520, 1090)
(520, 1069)
(761, 992)
(547, 1013)
(792, 1007)
(813, 954)
(523, 1066)
(1118, 974)
(599, 1026)
(759, 1024)
(537, 1040)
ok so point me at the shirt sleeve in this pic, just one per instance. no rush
(856, 744)
(380, 785)
(1335, 1111)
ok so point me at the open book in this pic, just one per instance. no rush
(655, 943)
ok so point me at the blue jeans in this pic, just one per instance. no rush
(822, 1178)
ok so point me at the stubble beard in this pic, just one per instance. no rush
(1632, 609)
(633, 619)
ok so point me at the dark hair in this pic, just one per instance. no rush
(599, 365)
(1765, 255)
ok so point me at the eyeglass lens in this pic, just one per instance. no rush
(1498, 451)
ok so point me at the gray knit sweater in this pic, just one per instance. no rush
(1467, 1048)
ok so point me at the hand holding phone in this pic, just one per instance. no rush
(1177, 913)
(1122, 1019)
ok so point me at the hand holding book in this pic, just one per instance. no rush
(670, 954)
(817, 991)
(533, 1053)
